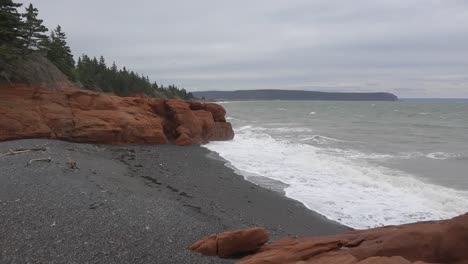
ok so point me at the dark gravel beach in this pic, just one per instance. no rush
(131, 204)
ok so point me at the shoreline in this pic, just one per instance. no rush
(139, 204)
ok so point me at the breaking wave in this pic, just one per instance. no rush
(344, 187)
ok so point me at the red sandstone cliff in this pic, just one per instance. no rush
(425, 242)
(85, 116)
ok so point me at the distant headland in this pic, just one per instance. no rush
(270, 94)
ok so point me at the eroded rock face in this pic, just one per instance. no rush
(426, 242)
(86, 116)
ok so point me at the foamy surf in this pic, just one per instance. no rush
(318, 139)
(442, 155)
(348, 190)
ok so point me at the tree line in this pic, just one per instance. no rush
(93, 73)
(22, 34)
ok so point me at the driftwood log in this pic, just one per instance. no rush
(41, 159)
(21, 151)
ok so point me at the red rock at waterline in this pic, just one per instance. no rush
(425, 242)
(231, 243)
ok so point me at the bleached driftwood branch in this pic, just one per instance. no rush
(21, 151)
(42, 159)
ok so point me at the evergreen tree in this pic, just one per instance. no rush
(102, 63)
(33, 30)
(10, 27)
(59, 53)
(114, 68)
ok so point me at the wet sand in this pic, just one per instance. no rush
(131, 204)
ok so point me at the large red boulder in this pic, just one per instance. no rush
(425, 242)
(232, 243)
(85, 116)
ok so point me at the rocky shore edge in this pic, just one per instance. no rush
(418, 243)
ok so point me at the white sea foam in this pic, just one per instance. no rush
(318, 139)
(442, 155)
(282, 130)
(344, 189)
(232, 118)
(353, 154)
(291, 129)
(433, 155)
(312, 113)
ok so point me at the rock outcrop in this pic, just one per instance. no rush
(232, 243)
(84, 116)
(426, 242)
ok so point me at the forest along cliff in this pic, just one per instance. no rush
(39, 96)
(66, 113)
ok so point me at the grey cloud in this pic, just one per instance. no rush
(414, 48)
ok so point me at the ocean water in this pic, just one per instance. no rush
(363, 164)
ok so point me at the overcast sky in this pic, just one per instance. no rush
(413, 48)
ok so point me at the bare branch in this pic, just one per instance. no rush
(43, 159)
(21, 151)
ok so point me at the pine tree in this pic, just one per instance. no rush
(102, 63)
(10, 27)
(113, 68)
(33, 30)
(59, 53)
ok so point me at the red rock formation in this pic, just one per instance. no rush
(232, 243)
(85, 116)
(426, 242)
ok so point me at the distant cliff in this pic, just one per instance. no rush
(292, 95)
